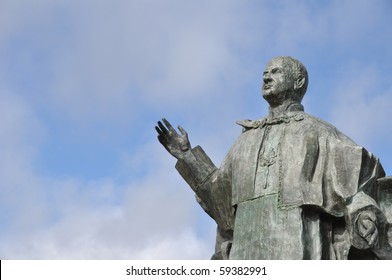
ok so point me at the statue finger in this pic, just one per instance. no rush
(169, 126)
(158, 130)
(369, 232)
(163, 128)
(364, 230)
(183, 132)
(365, 234)
(373, 238)
(371, 235)
(162, 139)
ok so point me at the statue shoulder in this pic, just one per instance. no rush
(325, 128)
(317, 122)
(250, 124)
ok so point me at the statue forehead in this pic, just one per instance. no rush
(277, 61)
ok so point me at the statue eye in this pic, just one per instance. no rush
(276, 71)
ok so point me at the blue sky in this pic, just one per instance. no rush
(82, 84)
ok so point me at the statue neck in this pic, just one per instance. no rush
(289, 106)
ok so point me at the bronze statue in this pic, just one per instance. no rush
(292, 186)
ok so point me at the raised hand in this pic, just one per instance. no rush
(176, 144)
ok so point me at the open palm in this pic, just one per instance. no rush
(176, 144)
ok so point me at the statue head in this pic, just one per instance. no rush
(284, 79)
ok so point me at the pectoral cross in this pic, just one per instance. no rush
(266, 162)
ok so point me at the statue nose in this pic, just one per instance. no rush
(266, 79)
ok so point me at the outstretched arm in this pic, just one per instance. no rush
(193, 164)
(211, 185)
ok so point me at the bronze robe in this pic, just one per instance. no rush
(290, 188)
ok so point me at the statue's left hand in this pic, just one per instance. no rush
(367, 227)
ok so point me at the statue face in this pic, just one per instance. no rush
(278, 82)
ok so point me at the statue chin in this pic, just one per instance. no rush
(269, 96)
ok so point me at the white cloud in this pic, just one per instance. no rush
(106, 61)
(21, 133)
(66, 218)
(153, 222)
(103, 60)
(362, 103)
(182, 246)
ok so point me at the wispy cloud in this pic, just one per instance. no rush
(363, 98)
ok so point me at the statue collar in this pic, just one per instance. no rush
(294, 111)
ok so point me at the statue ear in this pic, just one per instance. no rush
(299, 83)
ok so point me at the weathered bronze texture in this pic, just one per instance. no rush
(292, 186)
